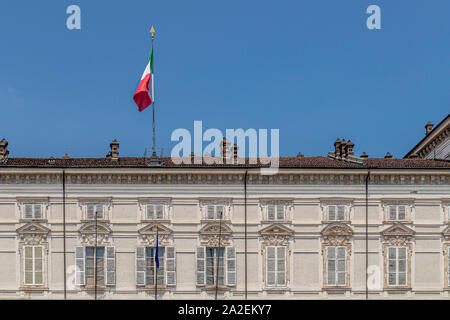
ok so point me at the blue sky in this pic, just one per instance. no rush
(309, 68)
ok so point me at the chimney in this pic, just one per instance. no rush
(235, 152)
(388, 156)
(364, 155)
(225, 149)
(337, 145)
(349, 148)
(4, 149)
(114, 153)
(343, 149)
(66, 156)
(428, 127)
(300, 155)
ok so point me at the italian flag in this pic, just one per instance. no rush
(143, 95)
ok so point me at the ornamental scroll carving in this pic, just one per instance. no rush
(211, 232)
(33, 234)
(148, 233)
(91, 231)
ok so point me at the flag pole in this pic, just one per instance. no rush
(152, 31)
(156, 263)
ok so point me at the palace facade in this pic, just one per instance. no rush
(325, 227)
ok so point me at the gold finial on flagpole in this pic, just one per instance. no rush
(152, 31)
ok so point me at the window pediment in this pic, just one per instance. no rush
(92, 228)
(276, 229)
(33, 228)
(398, 229)
(151, 229)
(446, 233)
(216, 228)
(337, 229)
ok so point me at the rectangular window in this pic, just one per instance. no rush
(276, 266)
(275, 212)
(33, 265)
(32, 211)
(336, 213)
(397, 212)
(215, 266)
(154, 211)
(215, 211)
(93, 209)
(336, 266)
(151, 272)
(396, 265)
(95, 266)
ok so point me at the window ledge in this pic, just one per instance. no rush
(152, 288)
(219, 288)
(337, 288)
(99, 288)
(276, 289)
(337, 221)
(397, 221)
(215, 220)
(276, 221)
(93, 220)
(397, 288)
(33, 220)
(155, 220)
(33, 288)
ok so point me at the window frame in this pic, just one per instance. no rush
(336, 272)
(155, 215)
(33, 211)
(95, 204)
(397, 262)
(276, 272)
(33, 269)
(216, 213)
(276, 209)
(397, 206)
(336, 208)
(153, 266)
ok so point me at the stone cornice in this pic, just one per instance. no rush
(222, 177)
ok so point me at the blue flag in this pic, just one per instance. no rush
(156, 252)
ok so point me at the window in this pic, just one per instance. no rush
(215, 211)
(397, 263)
(216, 265)
(276, 266)
(336, 266)
(397, 212)
(336, 212)
(448, 266)
(147, 273)
(275, 212)
(154, 211)
(97, 262)
(33, 265)
(32, 211)
(93, 209)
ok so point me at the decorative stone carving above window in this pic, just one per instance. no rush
(226, 203)
(210, 233)
(276, 235)
(33, 234)
(147, 235)
(90, 231)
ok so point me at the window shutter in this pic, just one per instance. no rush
(210, 212)
(80, 266)
(28, 211)
(402, 212)
(331, 212)
(340, 213)
(448, 265)
(159, 212)
(140, 266)
(201, 265)
(280, 212)
(270, 265)
(27, 265)
(341, 266)
(281, 266)
(90, 208)
(110, 266)
(270, 212)
(230, 255)
(331, 267)
(392, 211)
(220, 211)
(171, 262)
(38, 265)
(37, 211)
(99, 211)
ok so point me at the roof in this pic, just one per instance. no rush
(429, 136)
(284, 162)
